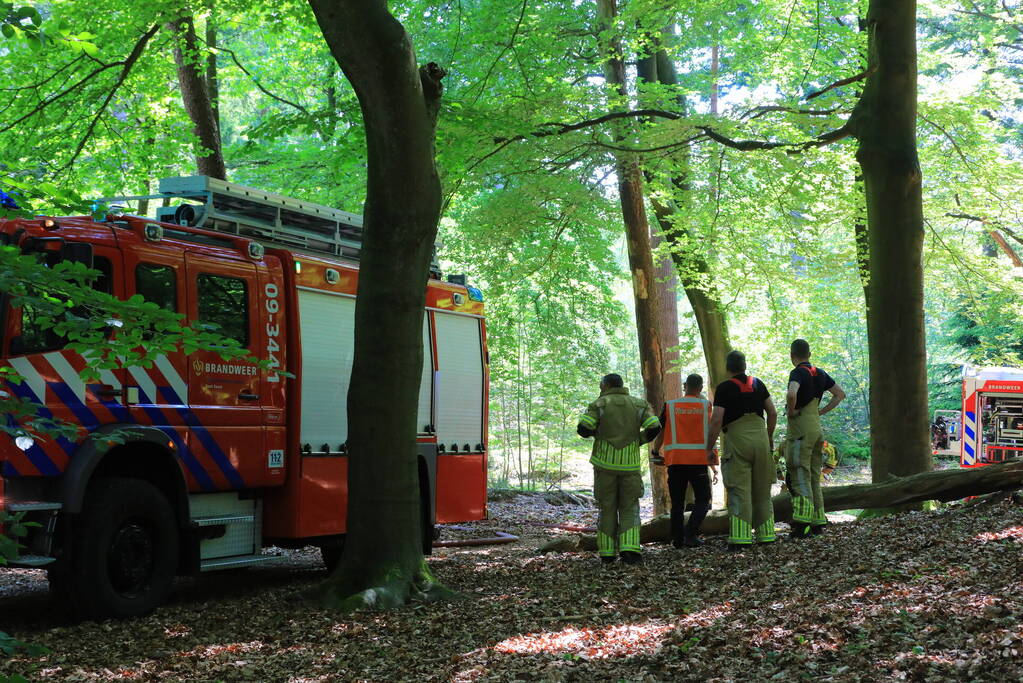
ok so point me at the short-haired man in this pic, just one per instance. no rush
(620, 424)
(682, 446)
(747, 467)
(804, 438)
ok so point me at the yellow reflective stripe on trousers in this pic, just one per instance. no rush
(619, 459)
(605, 545)
(629, 539)
(739, 530)
(765, 532)
(819, 517)
(802, 509)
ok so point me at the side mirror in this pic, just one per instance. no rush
(76, 252)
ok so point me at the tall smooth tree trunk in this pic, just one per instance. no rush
(382, 564)
(212, 79)
(637, 237)
(693, 270)
(884, 123)
(209, 158)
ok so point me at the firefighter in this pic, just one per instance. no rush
(804, 440)
(620, 424)
(747, 467)
(829, 460)
(684, 424)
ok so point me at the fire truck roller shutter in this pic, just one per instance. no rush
(459, 401)
(426, 382)
(328, 346)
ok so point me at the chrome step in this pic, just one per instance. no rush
(239, 561)
(33, 506)
(33, 561)
(223, 519)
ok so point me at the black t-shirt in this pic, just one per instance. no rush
(811, 387)
(737, 403)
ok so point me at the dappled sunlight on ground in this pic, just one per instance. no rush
(622, 640)
(1015, 533)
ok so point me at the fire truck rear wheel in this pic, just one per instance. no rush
(128, 552)
(331, 555)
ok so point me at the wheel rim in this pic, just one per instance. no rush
(130, 558)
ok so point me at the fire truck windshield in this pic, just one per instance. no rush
(36, 332)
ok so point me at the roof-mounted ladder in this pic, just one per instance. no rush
(270, 218)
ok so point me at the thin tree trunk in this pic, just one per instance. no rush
(884, 123)
(529, 421)
(693, 270)
(637, 236)
(212, 80)
(209, 158)
(382, 565)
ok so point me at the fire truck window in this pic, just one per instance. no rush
(223, 301)
(36, 338)
(157, 284)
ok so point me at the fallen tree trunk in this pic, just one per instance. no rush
(941, 485)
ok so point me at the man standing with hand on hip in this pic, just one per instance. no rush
(804, 439)
(740, 405)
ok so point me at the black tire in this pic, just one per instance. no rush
(331, 554)
(126, 550)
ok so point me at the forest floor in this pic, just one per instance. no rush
(929, 596)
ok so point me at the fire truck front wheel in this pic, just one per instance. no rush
(126, 550)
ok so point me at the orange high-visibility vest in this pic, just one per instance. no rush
(685, 431)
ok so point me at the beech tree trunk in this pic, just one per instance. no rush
(209, 158)
(944, 485)
(884, 123)
(637, 236)
(212, 79)
(382, 564)
(693, 270)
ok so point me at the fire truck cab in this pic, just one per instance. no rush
(992, 429)
(221, 458)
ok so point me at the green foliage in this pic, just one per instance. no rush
(531, 212)
(10, 646)
(13, 527)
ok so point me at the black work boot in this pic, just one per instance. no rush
(607, 559)
(799, 531)
(816, 529)
(691, 540)
(632, 557)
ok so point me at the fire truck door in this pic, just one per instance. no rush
(223, 410)
(50, 375)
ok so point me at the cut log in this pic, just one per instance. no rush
(941, 485)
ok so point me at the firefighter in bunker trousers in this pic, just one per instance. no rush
(619, 423)
(804, 439)
(682, 447)
(740, 406)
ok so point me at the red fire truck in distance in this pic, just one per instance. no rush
(223, 457)
(992, 429)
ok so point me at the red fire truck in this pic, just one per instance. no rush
(223, 457)
(992, 429)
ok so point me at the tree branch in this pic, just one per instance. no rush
(845, 81)
(430, 76)
(259, 86)
(127, 64)
(766, 109)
